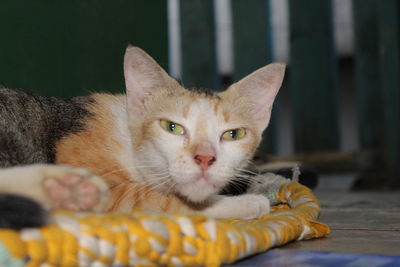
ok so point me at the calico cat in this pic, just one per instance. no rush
(160, 147)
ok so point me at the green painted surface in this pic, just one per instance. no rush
(313, 76)
(199, 63)
(369, 104)
(389, 26)
(251, 36)
(68, 48)
(252, 49)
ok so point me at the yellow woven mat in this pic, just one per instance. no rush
(146, 239)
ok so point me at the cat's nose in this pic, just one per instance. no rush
(204, 161)
(204, 155)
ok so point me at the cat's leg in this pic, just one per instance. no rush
(247, 206)
(56, 186)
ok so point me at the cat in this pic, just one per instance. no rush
(159, 147)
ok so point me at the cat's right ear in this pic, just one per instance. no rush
(142, 76)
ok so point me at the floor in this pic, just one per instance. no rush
(365, 232)
(365, 222)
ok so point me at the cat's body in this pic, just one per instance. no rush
(160, 147)
(30, 126)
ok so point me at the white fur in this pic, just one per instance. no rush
(248, 206)
(161, 156)
(125, 156)
(168, 153)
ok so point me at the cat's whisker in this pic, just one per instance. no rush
(159, 179)
(241, 178)
(149, 187)
(238, 184)
(251, 163)
(169, 190)
(146, 166)
(116, 171)
(247, 171)
(128, 168)
(139, 189)
(235, 186)
(244, 177)
(161, 184)
(134, 184)
(114, 187)
(242, 182)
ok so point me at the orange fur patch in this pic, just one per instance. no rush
(90, 148)
(226, 116)
(95, 148)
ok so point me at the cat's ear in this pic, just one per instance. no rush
(260, 89)
(142, 76)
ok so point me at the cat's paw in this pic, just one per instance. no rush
(252, 206)
(247, 206)
(74, 189)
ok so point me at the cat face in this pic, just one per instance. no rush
(193, 143)
(198, 141)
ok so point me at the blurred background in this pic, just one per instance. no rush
(339, 108)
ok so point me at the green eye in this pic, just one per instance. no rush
(234, 134)
(172, 127)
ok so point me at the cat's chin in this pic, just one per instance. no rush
(197, 191)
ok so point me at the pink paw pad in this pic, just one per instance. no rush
(72, 192)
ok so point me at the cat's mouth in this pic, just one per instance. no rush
(198, 189)
(202, 176)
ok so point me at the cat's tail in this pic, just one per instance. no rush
(18, 212)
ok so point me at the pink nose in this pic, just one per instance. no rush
(204, 161)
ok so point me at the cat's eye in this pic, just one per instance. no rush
(234, 134)
(172, 127)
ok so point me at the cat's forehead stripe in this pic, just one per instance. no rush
(215, 102)
(225, 115)
(204, 92)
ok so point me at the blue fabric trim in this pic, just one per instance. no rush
(7, 260)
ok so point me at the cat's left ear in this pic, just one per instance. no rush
(142, 77)
(260, 89)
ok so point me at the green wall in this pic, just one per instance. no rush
(68, 48)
